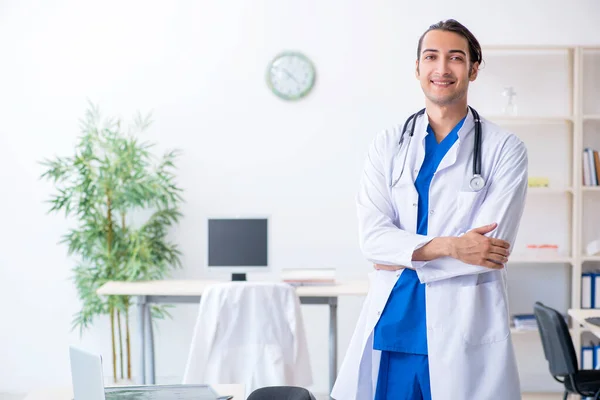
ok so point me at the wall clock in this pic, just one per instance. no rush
(291, 75)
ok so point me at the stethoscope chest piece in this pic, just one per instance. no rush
(476, 183)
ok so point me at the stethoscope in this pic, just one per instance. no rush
(477, 182)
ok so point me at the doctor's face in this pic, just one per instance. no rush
(443, 67)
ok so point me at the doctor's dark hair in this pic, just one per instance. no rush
(451, 25)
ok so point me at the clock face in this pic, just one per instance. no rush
(291, 75)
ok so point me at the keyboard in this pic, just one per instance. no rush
(593, 320)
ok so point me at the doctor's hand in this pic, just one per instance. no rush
(476, 249)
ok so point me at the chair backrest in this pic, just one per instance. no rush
(254, 312)
(556, 340)
(250, 333)
(281, 393)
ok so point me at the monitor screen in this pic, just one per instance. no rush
(237, 242)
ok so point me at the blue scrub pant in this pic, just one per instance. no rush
(403, 376)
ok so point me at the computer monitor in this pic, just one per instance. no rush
(238, 245)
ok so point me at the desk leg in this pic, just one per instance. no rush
(332, 341)
(150, 346)
(142, 309)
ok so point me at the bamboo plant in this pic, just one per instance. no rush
(124, 200)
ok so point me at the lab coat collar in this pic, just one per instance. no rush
(467, 127)
(450, 157)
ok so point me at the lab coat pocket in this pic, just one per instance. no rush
(466, 203)
(483, 313)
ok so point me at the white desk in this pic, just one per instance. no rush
(237, 391)
(579, 316)
(190, 291)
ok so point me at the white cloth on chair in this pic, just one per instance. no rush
(249, 333)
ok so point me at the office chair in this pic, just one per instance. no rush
(281, 393)
(560, 354)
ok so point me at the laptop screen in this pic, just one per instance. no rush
(88, 384)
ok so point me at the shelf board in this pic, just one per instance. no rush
(590, 188)
(549, 190)
(531, 260)
(529, 120)
(591, 117)
(590, 258)
(531, 48)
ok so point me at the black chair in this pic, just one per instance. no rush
(281, 393)
(561, 356)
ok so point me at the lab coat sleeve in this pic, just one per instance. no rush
(301, 360)
(504, 204)
(381, 241)
(204, 337)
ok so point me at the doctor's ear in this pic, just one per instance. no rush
(417, 69)
(474, 71)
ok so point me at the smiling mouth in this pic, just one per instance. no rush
(442, 83)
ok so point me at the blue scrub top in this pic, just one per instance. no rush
(402, 325)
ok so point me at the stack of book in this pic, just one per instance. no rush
(308, 276)
(527, 322)
(524, 322)
(591, 167)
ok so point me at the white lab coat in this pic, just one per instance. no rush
(468, 329)
(249, 333)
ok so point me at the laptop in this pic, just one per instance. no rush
(88, 384)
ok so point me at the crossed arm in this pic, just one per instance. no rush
(472, 248)
(436, 258)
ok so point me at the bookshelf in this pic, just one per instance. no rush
(558, 116)
(588, 136)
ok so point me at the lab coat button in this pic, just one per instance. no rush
(378, 312)
(429, 285)
(431, 212)
(414, 204)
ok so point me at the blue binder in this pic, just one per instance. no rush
(588, 357)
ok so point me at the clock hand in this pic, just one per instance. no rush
(288, 74)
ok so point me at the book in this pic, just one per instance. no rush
(308, 276)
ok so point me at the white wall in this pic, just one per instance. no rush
(200, 66)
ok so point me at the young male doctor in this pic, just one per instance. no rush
(438, 212)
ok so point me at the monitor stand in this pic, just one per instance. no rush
(238, 277)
